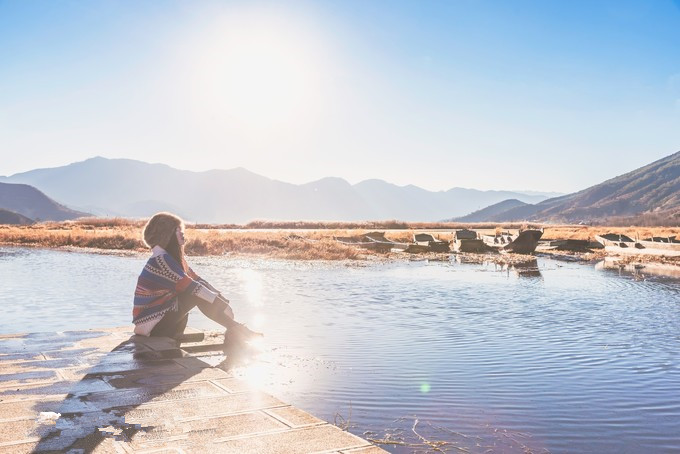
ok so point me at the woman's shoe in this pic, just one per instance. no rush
(240, 333)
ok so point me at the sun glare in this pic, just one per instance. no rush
(256, 75)
(252, 285)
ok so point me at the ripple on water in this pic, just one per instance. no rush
(570, 360)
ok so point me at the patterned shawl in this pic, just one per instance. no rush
(162, 279)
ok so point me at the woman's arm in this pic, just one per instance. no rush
(192, 274)
(220, 300)
(221, 304)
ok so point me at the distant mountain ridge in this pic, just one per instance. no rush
(493, 210)
(10, 217)
(30, 202)
(651, 188)
(124, 187)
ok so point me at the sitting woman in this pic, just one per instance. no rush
(168, 288)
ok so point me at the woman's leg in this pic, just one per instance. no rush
(173, 322)
(218, 311)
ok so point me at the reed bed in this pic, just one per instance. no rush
(280, 244)
(345, 225)
(54, 235)
(316, 242)
(586, 232)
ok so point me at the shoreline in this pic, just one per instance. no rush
(660, 265)
(123, 237)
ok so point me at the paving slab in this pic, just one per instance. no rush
(211, 407)
(364, 450)
(29, 409)
(95, 445)
(204, 431)
(297, 441)
(108, 391)
(32, 391)
(294, 417)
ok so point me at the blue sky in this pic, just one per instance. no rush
(551, 96)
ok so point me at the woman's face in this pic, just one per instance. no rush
(180, 236)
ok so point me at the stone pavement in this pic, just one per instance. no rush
(106, 391)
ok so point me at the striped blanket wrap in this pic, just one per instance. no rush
(158, 286)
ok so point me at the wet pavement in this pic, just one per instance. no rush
(109, 391)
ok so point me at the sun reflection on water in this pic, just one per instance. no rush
(252, 285)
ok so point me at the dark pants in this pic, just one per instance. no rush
(173, 322)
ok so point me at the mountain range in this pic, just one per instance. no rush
(491, 211)
(654, 188)
(23, 204)
(124, 187)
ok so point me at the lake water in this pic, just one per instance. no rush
(565, 358)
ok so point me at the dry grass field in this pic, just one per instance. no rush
(120, 235)
(291, 240)
(583, 232)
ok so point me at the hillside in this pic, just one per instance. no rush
(652, 188)
(10, 217)
(124, 187)
(30, 202)
(491, 211)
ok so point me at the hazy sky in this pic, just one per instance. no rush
(542, 95)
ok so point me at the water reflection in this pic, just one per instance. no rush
(251, 280)
(638, 270)
(527, 269)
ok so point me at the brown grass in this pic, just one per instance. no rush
(107, 222)
(331, 225)
(315, 243)
(586, 232)
(344, 225)
(71, 234)
(199, 242)
(274, 244)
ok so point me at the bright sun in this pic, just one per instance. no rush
(256, 74)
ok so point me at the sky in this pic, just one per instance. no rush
(512, 94)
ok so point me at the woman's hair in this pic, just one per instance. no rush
(176, 251)
(161, 230)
